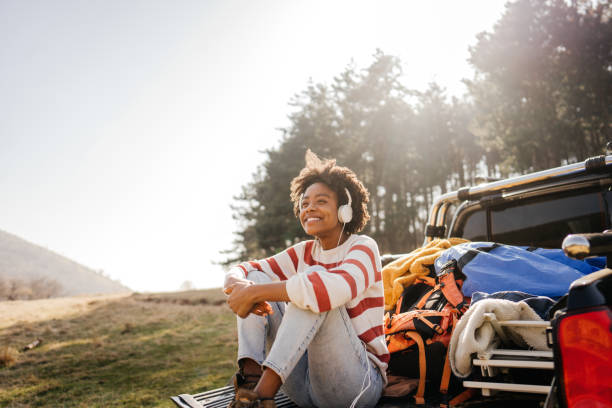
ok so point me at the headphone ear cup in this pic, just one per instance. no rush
(345, 214)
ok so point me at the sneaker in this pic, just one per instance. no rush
(245, 381)
(249, 399)
(244, 396)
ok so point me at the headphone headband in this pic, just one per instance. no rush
(345, 212)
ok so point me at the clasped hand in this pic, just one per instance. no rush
(242, 302)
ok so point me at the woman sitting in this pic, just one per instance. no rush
(311, 317)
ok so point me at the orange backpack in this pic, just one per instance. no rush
(423, 321)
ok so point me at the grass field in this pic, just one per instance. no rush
(135, 350)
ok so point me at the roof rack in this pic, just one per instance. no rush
(440, 206)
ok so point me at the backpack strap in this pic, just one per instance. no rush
(444, 383)
(398, 305)
(426, 296)
(419, 305)
(435, 327)
(419, 397)
(446, 372)
(461, 398)
(448, 285)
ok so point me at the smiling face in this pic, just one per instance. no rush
(319, 212)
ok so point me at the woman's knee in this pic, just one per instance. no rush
(305, 314)
(258, 277)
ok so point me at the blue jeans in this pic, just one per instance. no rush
(318, 356)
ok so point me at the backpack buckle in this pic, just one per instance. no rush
(447, 268)
(461, 308)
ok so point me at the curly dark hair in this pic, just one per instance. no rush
(336, 178)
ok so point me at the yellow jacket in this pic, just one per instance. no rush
(402, 272)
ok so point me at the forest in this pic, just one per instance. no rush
(540, 97)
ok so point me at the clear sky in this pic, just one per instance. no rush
(128, 126)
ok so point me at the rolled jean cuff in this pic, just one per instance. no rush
(244, 355)
(278, 371)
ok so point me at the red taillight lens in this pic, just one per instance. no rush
(585, 342)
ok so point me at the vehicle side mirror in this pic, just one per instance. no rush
(579, 246)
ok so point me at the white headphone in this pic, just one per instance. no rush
(345, 212)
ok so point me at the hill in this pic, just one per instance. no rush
(20, 259)
(115, 351)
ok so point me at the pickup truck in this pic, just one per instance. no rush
(569, 207)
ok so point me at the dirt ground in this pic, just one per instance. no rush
(15, 311)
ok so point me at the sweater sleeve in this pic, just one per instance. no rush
(278, 267)
(321, 289)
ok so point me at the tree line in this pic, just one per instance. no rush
(29, 289)
(540, 97)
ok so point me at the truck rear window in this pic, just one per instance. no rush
(475, 227)
(543, 222)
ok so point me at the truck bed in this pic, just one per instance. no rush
(221, 397)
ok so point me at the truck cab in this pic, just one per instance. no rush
(537, 209)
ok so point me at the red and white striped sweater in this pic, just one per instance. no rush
(320, 280)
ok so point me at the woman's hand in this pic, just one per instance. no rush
(231, 280)
(242, 302)
(246, 297)
(262, 309)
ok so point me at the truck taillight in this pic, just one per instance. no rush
(585, 344)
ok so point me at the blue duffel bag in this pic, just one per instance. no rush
(490, 267)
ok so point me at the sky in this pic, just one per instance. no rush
(128, 127)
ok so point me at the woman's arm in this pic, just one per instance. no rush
(245, 297)
(278, 267)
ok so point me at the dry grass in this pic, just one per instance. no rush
(8, 356)
(190, 297)
(130, 351)
(28, 311)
